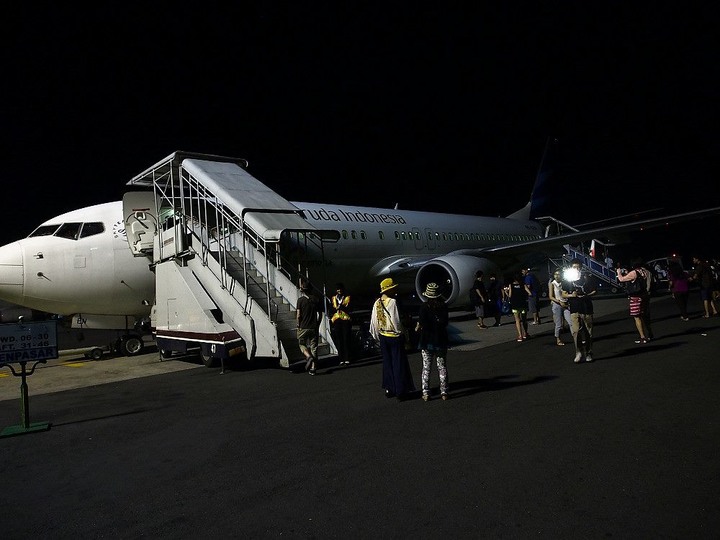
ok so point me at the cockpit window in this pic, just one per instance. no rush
(69, 230)
(44, 230)
(92, 228)
(73, 231)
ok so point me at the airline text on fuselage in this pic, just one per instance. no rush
(353, 217)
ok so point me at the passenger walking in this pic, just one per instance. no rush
(432, 327)
(479, 294)
(386, 327)
(308, 324)
(493, 306)
(650, 280)
(679, 287)
(704, 278)
(558, 305)
(518, 293)
(342, 324)
(578, 288)
(636, 288)
(715, 287)
(534, 293)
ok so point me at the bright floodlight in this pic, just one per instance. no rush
(571, 274)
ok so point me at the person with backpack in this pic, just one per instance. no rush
(309, 315)
(432, 326)
(636, 281)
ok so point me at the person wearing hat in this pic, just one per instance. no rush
(432, 325)
(386, 327)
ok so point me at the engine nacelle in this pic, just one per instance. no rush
(454, 274)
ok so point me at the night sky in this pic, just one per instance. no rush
(427, 106)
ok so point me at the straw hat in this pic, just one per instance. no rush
(387, 285)
(432, 291)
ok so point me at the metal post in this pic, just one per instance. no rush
(25, 426)
(24, 402)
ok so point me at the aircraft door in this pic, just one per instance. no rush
(430, 238)
(418, 237)
(140, 221)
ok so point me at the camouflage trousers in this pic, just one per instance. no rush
(428, 358)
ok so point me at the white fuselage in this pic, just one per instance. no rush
(94, 274)
(376, 242)
(98, 274)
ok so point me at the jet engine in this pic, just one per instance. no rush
(454, 274)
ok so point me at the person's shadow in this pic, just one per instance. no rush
(468, 387)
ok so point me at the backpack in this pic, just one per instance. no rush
(638, 286)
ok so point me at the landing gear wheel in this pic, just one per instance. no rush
(96, 353)
(165, 354)
(131, 345)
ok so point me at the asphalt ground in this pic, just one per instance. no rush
(529, 445)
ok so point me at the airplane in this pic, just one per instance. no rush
(78, 265)
(98, 264)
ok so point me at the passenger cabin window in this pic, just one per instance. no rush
(381, 235)
(363, 235)
(345, 234)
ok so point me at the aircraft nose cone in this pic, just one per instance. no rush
(11, 272)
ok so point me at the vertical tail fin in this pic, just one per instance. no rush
(542, 192)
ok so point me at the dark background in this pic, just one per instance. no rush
(428, 106)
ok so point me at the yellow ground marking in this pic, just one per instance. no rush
(73, 364)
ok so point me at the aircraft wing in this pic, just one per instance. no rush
(456, 269)
(551, 244)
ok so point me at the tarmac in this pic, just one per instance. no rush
(73, 370)
(529, 445)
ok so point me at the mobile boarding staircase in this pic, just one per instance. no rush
(223, 283)
(606, 275)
